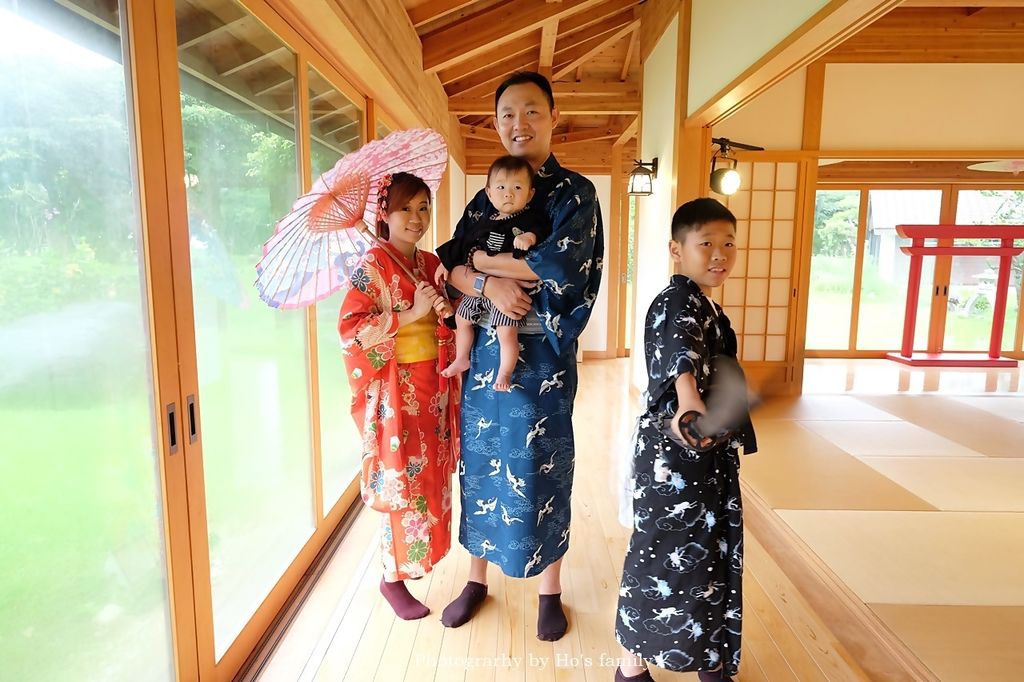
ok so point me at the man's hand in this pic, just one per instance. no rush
(508, 295)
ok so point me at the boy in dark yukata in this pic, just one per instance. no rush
(515, 228)
(680, 599)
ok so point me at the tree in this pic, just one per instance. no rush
(836, 214)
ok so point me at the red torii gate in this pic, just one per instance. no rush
(1006, 234)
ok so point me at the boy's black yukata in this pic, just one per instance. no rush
(494, 235)
(681, 595)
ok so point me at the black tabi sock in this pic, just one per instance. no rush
(551, 622)
(465, 605)
(406, 606)
(645, 676)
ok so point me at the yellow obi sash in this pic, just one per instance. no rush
(417, 342)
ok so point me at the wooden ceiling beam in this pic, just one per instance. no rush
(597, 88)
(609, 25)
(937, 36)
(487, 78)
(568, 104)
(909, 171)
(191, 36)
(548, 35)
(588, 50)
(596, 14)
(634, 39)
(434, 9)
(498, 25)
(342, 128)
(471, 132)
(583, 135)
(629, 132)
(258, 59)
(525, 48)
(960, 4)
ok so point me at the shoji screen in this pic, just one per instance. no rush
(757, 296)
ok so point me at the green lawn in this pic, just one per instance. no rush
(881, 314)
(82, 586)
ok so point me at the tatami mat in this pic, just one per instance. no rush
(957, 483)
(919, 557)
(1006, 406)
(798, 469)
(962, 643)
(821, 408)
(970, 426)
(884, 438)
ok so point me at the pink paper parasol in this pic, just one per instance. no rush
(316, 246)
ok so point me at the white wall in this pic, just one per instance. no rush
(923, 106)
(657, 139)
(729, 36)
(474, 183)
(774, 120)
(595, 336)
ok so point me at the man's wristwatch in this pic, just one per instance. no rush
(478, 283)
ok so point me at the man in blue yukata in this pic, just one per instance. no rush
(518, 453)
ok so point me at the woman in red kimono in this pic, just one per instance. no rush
(395, 346)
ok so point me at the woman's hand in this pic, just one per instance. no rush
(443, 308)
(422, 303)
(508, 295)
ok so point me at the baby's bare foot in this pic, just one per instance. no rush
(458, 366)
(503, 382)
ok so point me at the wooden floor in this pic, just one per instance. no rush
(881, 527)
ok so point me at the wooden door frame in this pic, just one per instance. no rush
(159, 106)
(942, 266)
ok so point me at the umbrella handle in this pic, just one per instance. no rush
(376, 240)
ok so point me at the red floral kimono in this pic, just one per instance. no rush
(407, 411)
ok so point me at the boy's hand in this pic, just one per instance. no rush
(441, 276)
(524, 241)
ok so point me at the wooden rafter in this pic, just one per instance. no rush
(595, 14)
(258, 59)
(579, 136)
(597, 89)
(432, 9)
(485, 79)
(471, 132)
(629, 132)
(962, 3)
(568, 40)
(587, 50)
(523, 48)
(193, 35)
(548, 35)
(634, 37)
(276, 85)
(569, 104)
(345, 127)
(948, 35)
(498, 25)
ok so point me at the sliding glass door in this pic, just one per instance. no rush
(83, 577)
(972, 280)
(858, 282)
